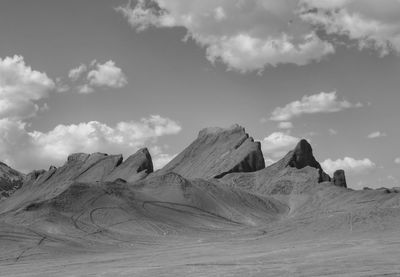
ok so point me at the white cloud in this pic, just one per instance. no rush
(376, 134)
(107, 75)
(85, 89)
(245, 35)
(85, 78)
(27, 150)
(372, 24)
(278, 144)
(21, 87)
(160, 160)
(285, 125)
(350, 165)
(324, 102)
(397, 160)
(249, 35)
(76, 73)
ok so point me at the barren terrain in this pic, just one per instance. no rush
(240, 219)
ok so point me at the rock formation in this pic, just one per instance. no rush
(97, 167)
(10, 180)
(136, 167)
(217, 152)
(339, 178)
(302, 156)
(298, 171)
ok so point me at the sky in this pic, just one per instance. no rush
(115, 76)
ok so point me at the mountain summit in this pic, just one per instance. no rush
(217, 152)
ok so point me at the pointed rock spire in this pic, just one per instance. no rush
(302, 156)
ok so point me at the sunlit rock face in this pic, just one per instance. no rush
(217, 152)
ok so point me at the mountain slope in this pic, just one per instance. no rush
(10, 180)
(217, 152)
(214, 209)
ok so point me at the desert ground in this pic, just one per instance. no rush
(215, 210)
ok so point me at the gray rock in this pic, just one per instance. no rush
(339, 178)
(302, 156)
(217, 152)
(136, 167)
(10, 180)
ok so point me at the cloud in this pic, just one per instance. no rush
(376, 134)
(250, 35)
(160, 160)
(397, 160)
(76, 73)
(324, 102)
(372, 24)
(278, 144)
(85, 89)
(21, 87)
(107, 75)
(245, 35)
(350, 165)
(27, 150)
(285, 125)
(86, 78)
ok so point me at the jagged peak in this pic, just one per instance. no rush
(303, 156)
(300, 157)
(217, 152)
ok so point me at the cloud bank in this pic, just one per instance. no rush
(245, 35)
(371, 24)
(27, 150)
(350, 165)
(21, 87)
(250, 35)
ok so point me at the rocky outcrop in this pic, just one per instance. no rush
(136, 167)
(79, 167)
(96, 167)
(339, 178)
(10, 180)
(302, 156)
(297, 172)
(217, 152)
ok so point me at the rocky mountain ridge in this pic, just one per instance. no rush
(215, 153)
(217, 195)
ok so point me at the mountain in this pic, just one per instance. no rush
(217, 152)
(298, 170)
(214, 209)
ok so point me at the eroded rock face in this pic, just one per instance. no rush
(97, 167)
(10, 180)
(136, 167)
(339, 178)
(217, 152)
(302, 156)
